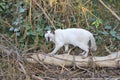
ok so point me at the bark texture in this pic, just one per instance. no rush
(112, 60)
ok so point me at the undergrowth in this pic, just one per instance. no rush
(22, 25)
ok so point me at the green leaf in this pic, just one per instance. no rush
(30, 33)
(118, 37)
(40, 32)
(104, 32)
(91, 19)
(3, 5)
(59, 24)
(97, 23)
(21, 40)
(28, 27)
(1, 10)
(113, 33)
(48, 28)
(108, 27)
(22, 10)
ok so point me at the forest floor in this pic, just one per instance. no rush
(13, 66)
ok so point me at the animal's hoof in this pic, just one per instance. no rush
(50, 54)
(83, 57)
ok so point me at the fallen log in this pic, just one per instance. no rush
(112, 60)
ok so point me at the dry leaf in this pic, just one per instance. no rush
(51, 2)
(84, 10)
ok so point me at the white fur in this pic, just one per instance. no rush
(75, 36)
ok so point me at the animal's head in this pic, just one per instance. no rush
(49, 35)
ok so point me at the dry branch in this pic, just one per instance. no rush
(36, 77)
(48, 17)
(113, 13)
(112, 60)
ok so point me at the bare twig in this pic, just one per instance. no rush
(113, 13)
(45, 14)
(36, 77)
(70, 50)
(108, 50)
(22, 69)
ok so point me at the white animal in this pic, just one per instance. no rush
(75, 36)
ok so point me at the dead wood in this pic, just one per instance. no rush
(112, 60)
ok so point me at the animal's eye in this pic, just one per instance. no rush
(45, 31)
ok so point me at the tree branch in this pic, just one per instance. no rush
(113, 13)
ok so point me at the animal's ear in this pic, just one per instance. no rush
(53, 31)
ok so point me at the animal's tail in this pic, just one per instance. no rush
(93, 43)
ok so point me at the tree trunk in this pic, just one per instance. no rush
(112, 60)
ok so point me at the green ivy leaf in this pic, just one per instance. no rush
(40, 32)
(28, 27)
(48, 28)
(30, 33)
(104, 32)
(59, 24)
(118, 37)
(2, 5)
(113, 33)
(108, 27)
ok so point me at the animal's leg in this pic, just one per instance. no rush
(66, 48)
(57, 47)
(85, 48)
(83, 53)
